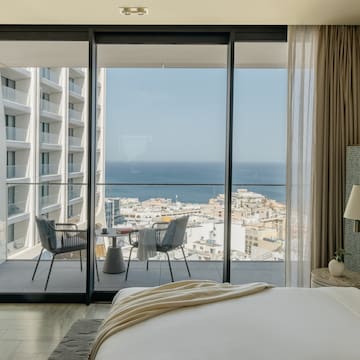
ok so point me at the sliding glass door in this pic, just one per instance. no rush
(163, 133)
(118, 130)
(259, 163)
(43, 166)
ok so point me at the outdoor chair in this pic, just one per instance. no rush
(60, 239)
(169, 236)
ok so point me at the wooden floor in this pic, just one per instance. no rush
(32, 331)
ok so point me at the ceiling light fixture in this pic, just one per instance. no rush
(137, 10)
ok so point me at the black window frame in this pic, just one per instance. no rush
(138, 34)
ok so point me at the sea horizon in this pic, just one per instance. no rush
(145, 180)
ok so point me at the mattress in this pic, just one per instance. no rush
(278, 323)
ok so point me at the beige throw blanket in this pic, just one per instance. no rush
(158, 300)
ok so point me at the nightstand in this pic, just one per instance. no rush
(321, 277)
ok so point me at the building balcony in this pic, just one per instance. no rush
(74, 141)
(16, 208)
(49, 200)
(74, 219)
(15, 134)
(49, 75)
(75, 115)
(48, 169)
(74, 192)
(15, 246)
(14, 95)
(15, 171)
(48, 138)
(75, 89)
(49, 106)
(16, 73)
(77, 72)
(74, 167)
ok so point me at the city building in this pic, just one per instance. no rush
(43, 132)
(112, 211)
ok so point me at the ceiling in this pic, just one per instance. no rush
(234, 12)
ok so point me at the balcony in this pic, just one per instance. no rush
(15, 134)
(209, 268)
(75, 88)
(16, 245)
(16, 73)
(49, 200)
(49, 106)
(48, 138)
(77, 72)
(75, 115)
(14, 95)
(74, 192)
(74, 219)
(48, 169)
(74, 167)
(67, 277)
(74, 141)
(16, 208)
(15, 171)
(50, 75)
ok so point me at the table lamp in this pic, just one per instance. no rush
(352, 210)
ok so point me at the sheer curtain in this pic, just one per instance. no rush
(302, 42)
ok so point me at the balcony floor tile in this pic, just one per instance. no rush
(15, 275)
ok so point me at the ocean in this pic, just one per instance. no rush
(162, 173)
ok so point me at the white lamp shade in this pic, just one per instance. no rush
(352, 210)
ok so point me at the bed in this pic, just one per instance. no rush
(277, 323)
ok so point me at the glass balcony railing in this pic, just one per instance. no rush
(48, 169)
(74, 167)
(74, 192)
(48, 200)
(15, 171)
(49, 106)
(49, 75)
(74, 141)
(48, 138)
(75, 115)
(16, 208)
(16, 134)
(16, 244)
(14, 95)
(75, 88)
(74, 219)
(258, 216)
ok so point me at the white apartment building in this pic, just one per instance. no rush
(44, 151)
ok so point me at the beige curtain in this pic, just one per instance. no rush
(336, 126)
(302, 42)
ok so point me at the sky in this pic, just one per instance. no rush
(179, 115)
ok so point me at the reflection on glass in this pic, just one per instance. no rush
(42, 98)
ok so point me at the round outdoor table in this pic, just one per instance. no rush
(114, 260)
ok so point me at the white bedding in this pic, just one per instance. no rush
(279, 324)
